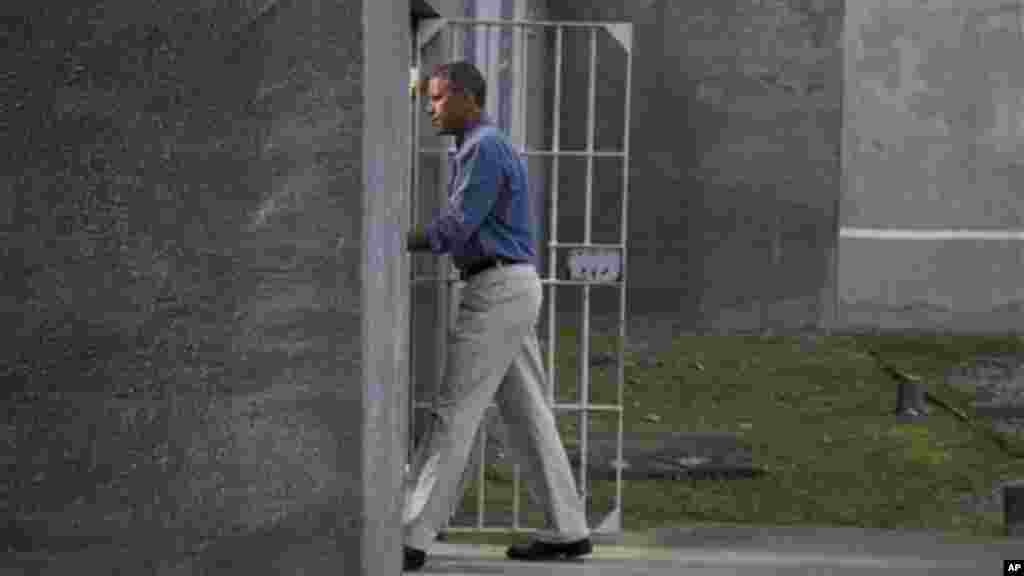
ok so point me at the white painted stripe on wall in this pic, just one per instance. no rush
(933, 234)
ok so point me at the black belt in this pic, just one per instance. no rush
(487, 264)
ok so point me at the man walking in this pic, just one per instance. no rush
(493, 353)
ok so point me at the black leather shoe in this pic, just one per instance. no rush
(537, 551)
(413, 559)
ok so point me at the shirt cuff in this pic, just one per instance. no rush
(434, 237)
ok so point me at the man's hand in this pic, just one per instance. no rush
(416, 240)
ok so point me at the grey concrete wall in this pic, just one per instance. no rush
(934, 132)
(735, 167)
(186, 245)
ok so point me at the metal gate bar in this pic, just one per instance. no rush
(556, 144)
(615, 523)
(448, 279)
(584, 335)
(520, 45)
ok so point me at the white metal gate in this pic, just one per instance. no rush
(501, 50)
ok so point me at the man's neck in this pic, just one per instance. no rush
(470, 124)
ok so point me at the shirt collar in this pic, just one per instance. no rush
(484, 119)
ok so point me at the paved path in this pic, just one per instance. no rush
(705, 550)
(713, 551)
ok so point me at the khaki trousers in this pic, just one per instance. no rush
(493, 356)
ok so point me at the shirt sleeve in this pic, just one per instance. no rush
(476, 190)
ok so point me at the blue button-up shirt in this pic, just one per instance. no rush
(489, 211)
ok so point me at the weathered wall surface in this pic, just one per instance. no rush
(182, 219)
(735, 170)
(934, 133)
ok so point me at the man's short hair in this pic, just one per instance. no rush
(463, 77)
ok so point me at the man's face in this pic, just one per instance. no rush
(448, 109)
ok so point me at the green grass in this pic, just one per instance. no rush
(818, 421)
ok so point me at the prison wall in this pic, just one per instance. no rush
(183, 215)
(934, 135)
(735, 171)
